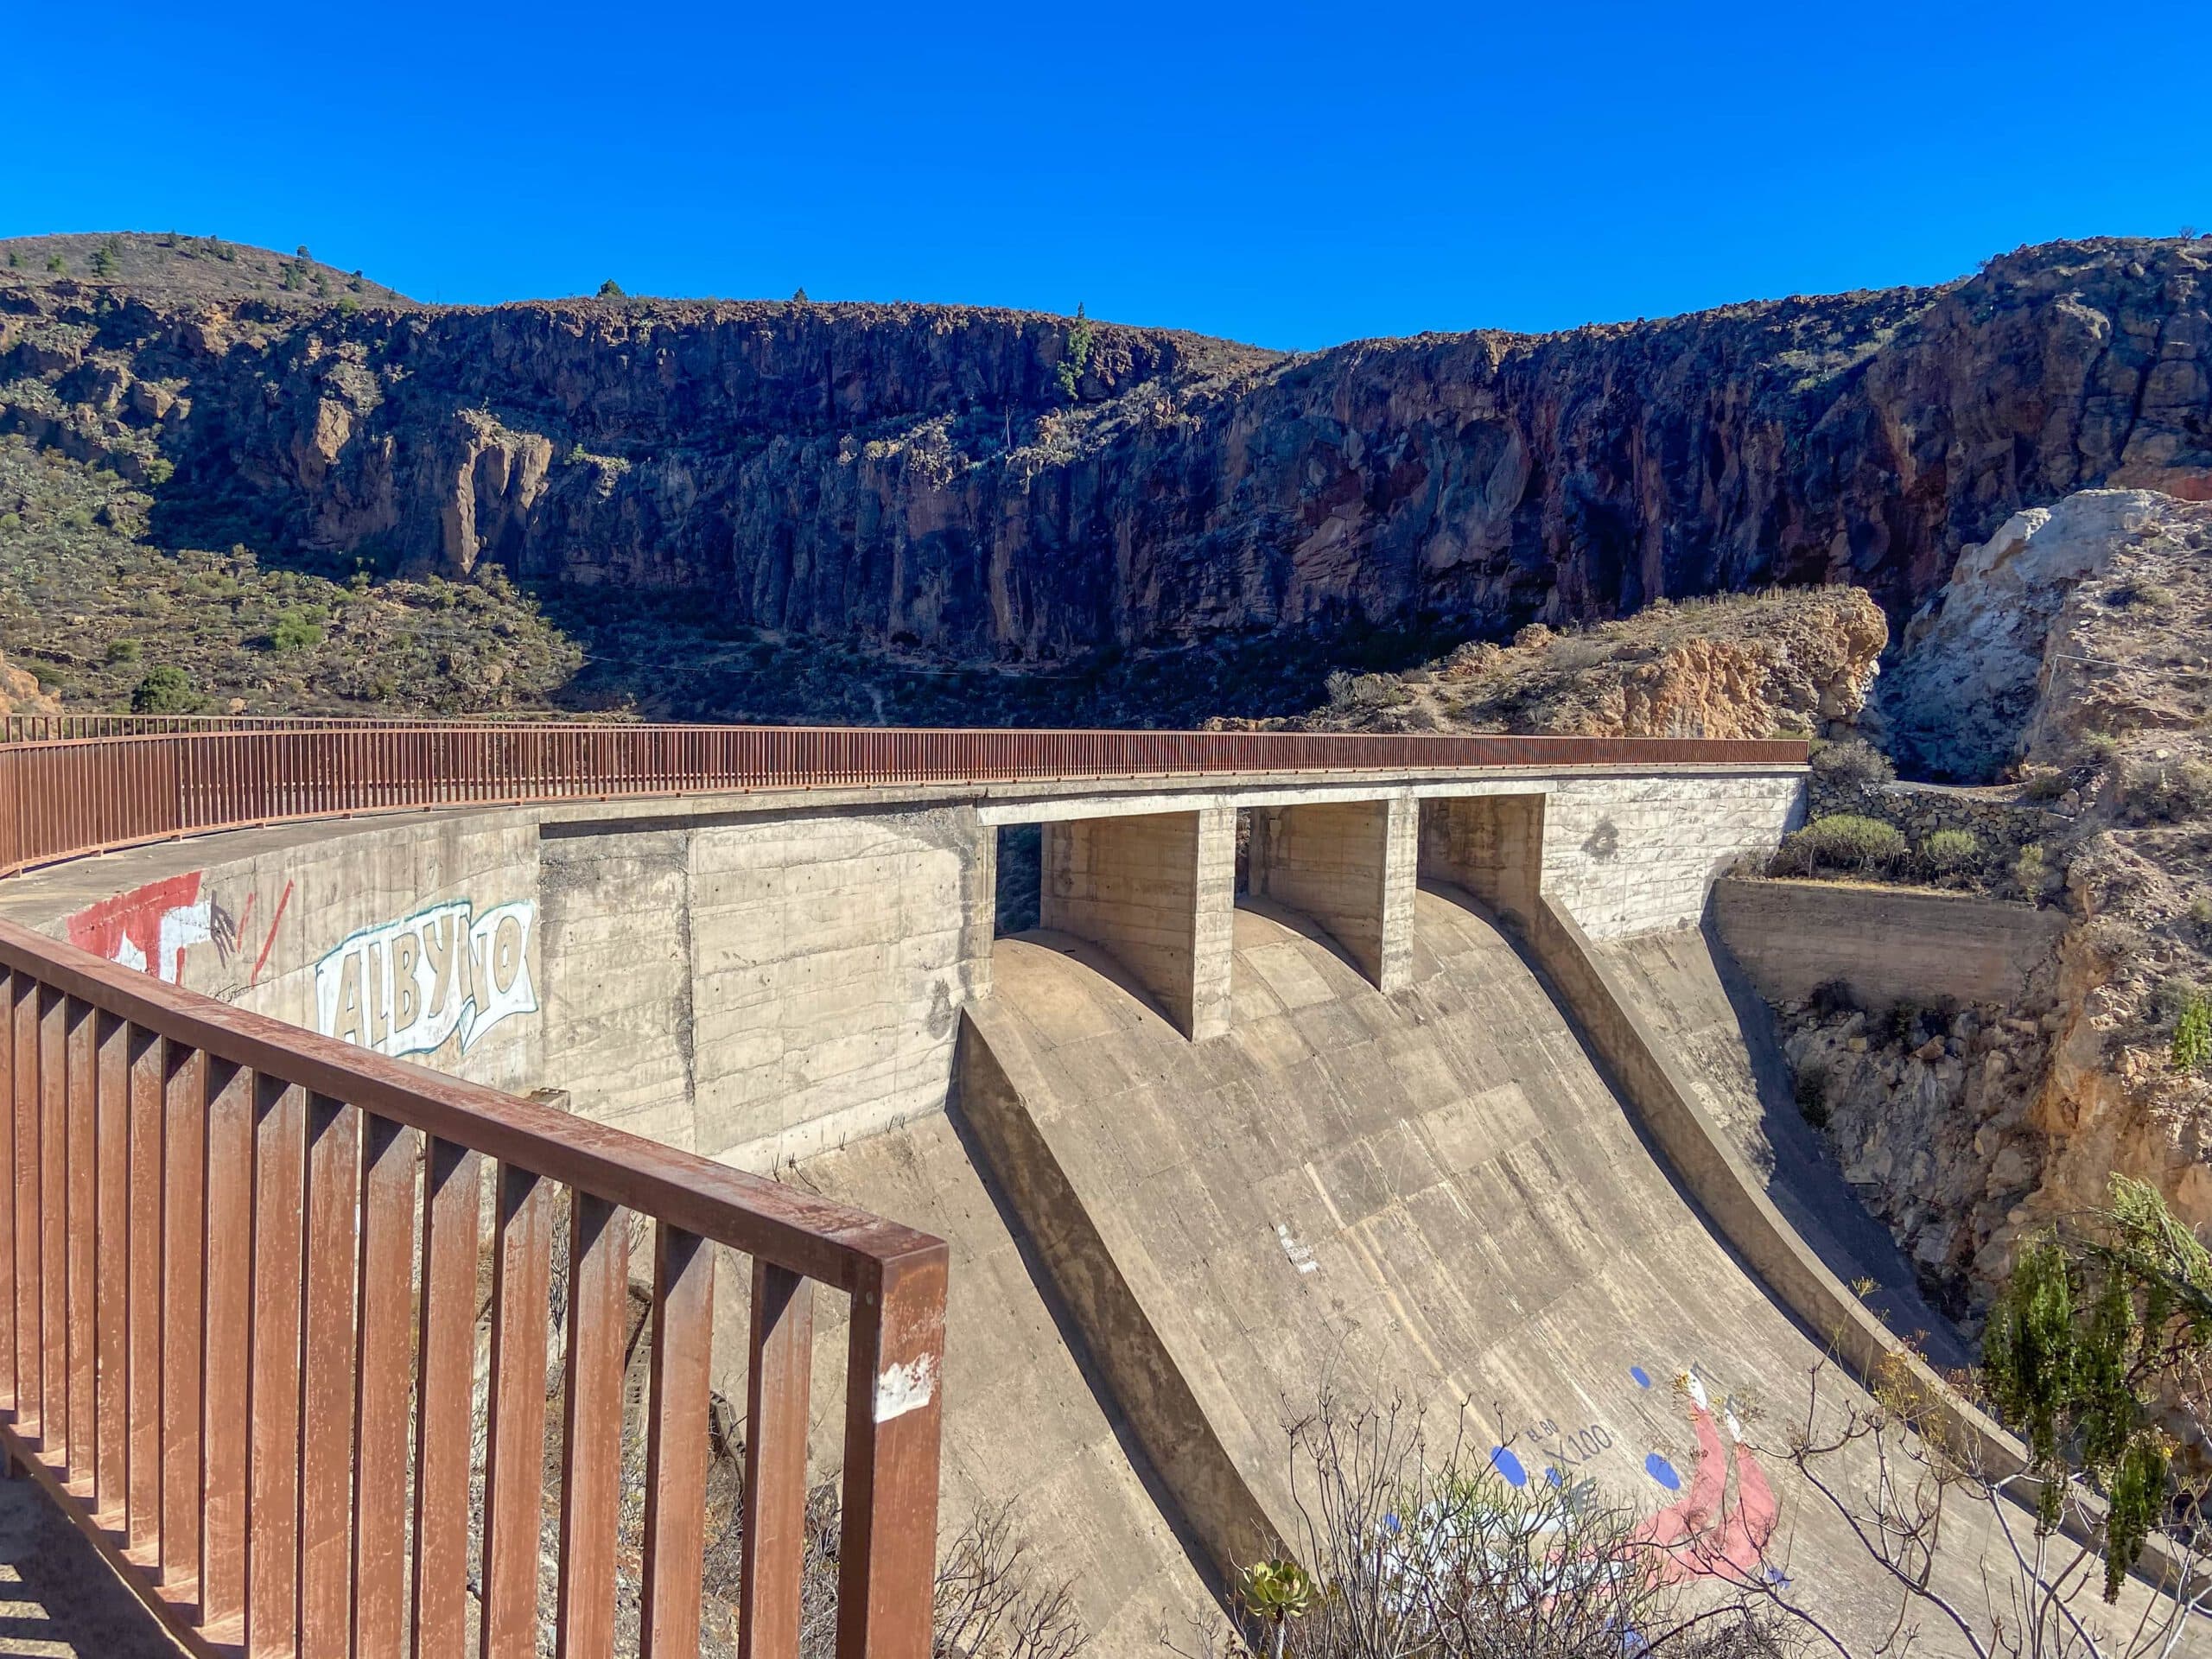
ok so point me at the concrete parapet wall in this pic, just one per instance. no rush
(1887, 944)
(764, 989)
(755, 990)
(418, 937)
(1631, 855)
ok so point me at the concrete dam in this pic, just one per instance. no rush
(1392, 1080)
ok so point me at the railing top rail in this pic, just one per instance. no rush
(1385, 749)
(797, 1230)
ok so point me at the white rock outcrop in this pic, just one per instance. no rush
(1960, 698)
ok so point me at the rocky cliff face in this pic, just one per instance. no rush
(993, 486)
(2073, 645)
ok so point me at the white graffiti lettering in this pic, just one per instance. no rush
(409, 987)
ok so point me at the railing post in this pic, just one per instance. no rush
(514, 1454)
(886, 1561)
(774, 1539)
(591, 1437)
(453, 1186)
(675, 1449)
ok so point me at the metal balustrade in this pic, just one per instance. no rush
(61, 797)
(238, 1306)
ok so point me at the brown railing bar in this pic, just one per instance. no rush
(887, 1556)
(185, 1199)
(143, 1269)
(676, 1476)
(272, 1530)
(11, 984)
(599, 1307)
(109, 1245)
(514, 1459)
(80, 1173)
(330, 1455)
(453, 1186)
(53, 1224)
(382, 1395)
(773, 1543)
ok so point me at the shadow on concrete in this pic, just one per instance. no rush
(1807, 1183)
(57, 1597)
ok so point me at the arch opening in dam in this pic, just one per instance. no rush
(1410, 1116)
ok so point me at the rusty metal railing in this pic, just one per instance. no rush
(239, 1305)
(59, 727)
(62, 797)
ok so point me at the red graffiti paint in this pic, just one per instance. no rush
(270, 943)
(149, 927)
(1701, 1536)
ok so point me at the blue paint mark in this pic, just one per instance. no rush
(1552, 1475)
(1662, 1471)
(1506, 1464)
(1641, 1377)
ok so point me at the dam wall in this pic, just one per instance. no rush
(1205, 1155)
(759, 978)
(1885, 944)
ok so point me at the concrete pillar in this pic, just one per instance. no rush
(1492, 845)
(1352, 866)
(1158, 892)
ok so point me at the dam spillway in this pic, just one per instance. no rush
(1408, 1118)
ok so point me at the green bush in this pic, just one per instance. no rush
(165, 690)
(2031, 871)
(297, 630)
(1069, 370)
(1843, 841)
(2200, 910)
(1951, 850)
(611, 289)
(124, 650)
(2193, 1036)
(160, 470)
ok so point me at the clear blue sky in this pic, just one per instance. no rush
(1288, 176)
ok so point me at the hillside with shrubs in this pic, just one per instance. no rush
(2079, 675)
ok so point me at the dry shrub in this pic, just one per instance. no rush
(1415, 1550)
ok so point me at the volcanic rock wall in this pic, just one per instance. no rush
(922, 476)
